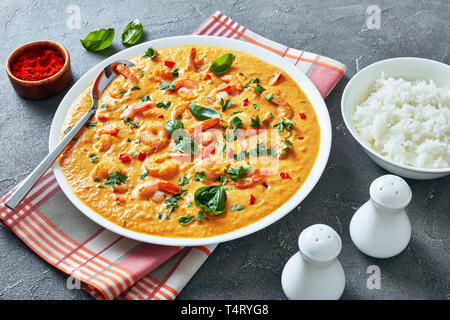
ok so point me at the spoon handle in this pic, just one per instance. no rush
(19, 194)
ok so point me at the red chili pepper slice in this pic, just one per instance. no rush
(124, 158)
(161, 116)
(141, 156)
(301, 138)
(112, 132)
(251, 199)
(102, 118)
(245, 102)
(169, 64)
(302, 115)
(285, 175)
(207, 77)
(120, 200)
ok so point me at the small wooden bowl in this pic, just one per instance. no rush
(44, 88)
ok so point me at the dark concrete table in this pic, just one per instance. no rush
(248, 268)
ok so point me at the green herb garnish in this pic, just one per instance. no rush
(203, 113)
(93, 158)
(116, 178)
(98, 40)
(91, 125)
(145, 98)
(131, 124)
(185, 220)
(150, 53)
(237, 207)
(167, 86)
(211, 199)
(225, 104)
(222, 64)
(133, 32)
(237, 173)
(200, 176)
(143, 175)
(164, 105)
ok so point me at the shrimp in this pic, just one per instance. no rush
(124, 71)
(104, 143)
(283, 106)
(134, 109)
(276, 78)
(252, 180)
(231, 88)
(190, 65)
(163, 74)
(165, 169)
(155, 136)
(186, 88)
(208, 167)
(102, 170)
(178, 111)
(154, 190)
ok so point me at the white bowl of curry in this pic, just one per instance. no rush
(204, 140)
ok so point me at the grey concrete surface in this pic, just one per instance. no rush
(248, 268)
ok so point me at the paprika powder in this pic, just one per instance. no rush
(37, 64)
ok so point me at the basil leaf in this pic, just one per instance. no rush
(237, 207)
(211, 199)
(98, 40)
(133, 32)
(200, 176)
(173, 125)
(186, 145)
(203, 113)
(226, 104)
(222, 64)
(185, 220)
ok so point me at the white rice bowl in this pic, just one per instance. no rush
(407, 121)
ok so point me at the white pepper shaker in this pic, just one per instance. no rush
(381, 227)
(315, 273)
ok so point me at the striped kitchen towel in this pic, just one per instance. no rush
(108, 265)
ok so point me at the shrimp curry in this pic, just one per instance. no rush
(192, 142)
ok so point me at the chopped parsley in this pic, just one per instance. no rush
(143, 175)
(222, 179)
(150, 53)
(255, 106)
(270, 97)
(201, 216)
(91, 125)
(67, 130)
(237, 207)
(137, 141)
(175, 73)
(284, 124)
(122, 93)
(255, 123)
(164, 105)
(116, 178)
(167, 86)
(145, 98)
(136, 88)
(200, 176)
(131, 124)
(93, 158)
(141, 73)
(237, 173)
(104, 106)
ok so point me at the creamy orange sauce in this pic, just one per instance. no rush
(110, 144)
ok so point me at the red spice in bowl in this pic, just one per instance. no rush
(39, 69)
(37, 64)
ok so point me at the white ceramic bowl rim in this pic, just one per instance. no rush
(357, 77)
(307, 86)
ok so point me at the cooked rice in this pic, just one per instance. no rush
(407, 121)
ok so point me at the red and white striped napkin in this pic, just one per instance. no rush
(109, 265)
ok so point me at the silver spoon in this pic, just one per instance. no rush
(103, 80)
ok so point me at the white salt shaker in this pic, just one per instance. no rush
(315, 273)
(381, 228)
